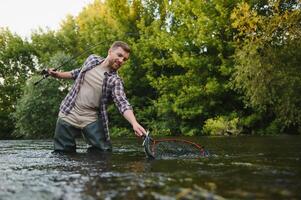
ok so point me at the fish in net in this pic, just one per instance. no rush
(172, 148)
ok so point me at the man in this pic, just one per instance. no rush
(84, 109)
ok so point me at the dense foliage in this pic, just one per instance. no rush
(196, 67)
(268, 63)
(37, 109)
(16, 66)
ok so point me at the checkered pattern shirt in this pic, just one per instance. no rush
(112, 89)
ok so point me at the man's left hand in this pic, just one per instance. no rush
(139, 130)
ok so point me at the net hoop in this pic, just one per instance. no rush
(150, 146)
(199, 147)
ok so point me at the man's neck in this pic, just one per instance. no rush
(106, 64)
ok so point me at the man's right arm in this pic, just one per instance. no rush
(64, 75)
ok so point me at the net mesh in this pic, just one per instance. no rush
(172, 148)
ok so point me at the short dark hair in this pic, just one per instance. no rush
(121, 44)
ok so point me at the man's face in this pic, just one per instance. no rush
(117, 57)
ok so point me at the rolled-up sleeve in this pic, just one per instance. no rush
(119, 96)
(75, 73)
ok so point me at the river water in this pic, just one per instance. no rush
(237, 168)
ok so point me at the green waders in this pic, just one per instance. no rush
(65, 133)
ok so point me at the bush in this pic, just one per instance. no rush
(222, 125)
(37, 109)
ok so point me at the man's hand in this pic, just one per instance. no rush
(52, 72)
(139, 130)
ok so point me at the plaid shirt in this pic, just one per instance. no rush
(112, 88)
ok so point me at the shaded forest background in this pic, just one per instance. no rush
(197, 67)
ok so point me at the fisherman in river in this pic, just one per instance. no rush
(84, 109)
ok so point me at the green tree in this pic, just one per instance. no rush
(96, 25)
(37, 109)
(268, 59)
(16, 65)
(184, 54)
(186, 51)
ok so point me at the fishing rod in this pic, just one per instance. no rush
(45, 72)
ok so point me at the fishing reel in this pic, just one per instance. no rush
(44, 72)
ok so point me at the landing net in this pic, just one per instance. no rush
(172, 148)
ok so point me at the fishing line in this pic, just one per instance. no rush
(45, 73)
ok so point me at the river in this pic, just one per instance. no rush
(249, 167)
